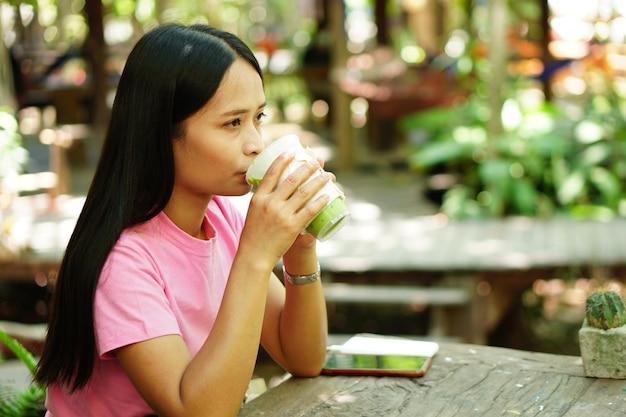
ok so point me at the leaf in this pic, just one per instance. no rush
(495, 172)
(28, 402)
(550, 144)
(559, 169)
(496, 205)
(431, 120)
(588, 211)
(495, 176)
(436, 153)
(459, 204)
(19, 350)
(595, 154)
(608, 184)
(524, 196)
(571, 188)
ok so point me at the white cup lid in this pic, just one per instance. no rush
(260, 165)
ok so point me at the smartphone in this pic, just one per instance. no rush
(338, 363)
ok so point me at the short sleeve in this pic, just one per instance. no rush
(131, 304)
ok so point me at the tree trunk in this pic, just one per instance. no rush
(95, 50)
(340, 107)
(7, 95)
(498, 58)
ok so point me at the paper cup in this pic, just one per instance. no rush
(261, 163)
(334, 216)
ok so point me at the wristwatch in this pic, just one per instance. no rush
(302, 279)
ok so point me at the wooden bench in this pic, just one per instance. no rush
(443, 301)
(46, 180)
(493, 260)
(377, 294)
(31, 336)
(32, 183)
(33, 332)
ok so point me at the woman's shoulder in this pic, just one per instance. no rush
(155, 235)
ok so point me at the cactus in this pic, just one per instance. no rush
(605, 309)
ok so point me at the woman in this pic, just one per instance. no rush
(165, 290)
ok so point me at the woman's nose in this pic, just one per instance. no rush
(254, 142)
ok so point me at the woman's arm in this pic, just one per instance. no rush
(296, 325)
(213, 383)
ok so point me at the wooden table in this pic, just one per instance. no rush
(464, 380)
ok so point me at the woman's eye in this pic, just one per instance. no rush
(260, 117)
(234, 123)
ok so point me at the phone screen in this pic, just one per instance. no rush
(360, 364)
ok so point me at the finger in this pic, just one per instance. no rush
(299, 177)
(272, 175)
(308, 190)
(312, 208)
(322, 162)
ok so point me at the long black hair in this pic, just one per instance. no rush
(171, 73)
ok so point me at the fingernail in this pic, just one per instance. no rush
(325, 175)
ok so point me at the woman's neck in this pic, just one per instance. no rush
(188, 216)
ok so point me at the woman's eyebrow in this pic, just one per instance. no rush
(236, 112)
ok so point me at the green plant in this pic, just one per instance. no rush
(545, 162)
(28, 402)
(604, 309)
(13, 156)
(511, 149)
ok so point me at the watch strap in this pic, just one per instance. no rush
(302, 279)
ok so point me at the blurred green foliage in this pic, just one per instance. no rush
(28, 402)
(546, 162)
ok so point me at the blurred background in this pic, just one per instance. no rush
(457, 109)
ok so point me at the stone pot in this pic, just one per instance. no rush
(603, 351)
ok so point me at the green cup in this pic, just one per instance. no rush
(328, 222)
(334, 216)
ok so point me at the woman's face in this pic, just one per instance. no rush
(221, 139)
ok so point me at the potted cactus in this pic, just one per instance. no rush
(603, 335)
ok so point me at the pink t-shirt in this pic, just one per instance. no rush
(157, 281)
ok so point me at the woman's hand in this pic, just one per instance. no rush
(280, 210)
(306, 240)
